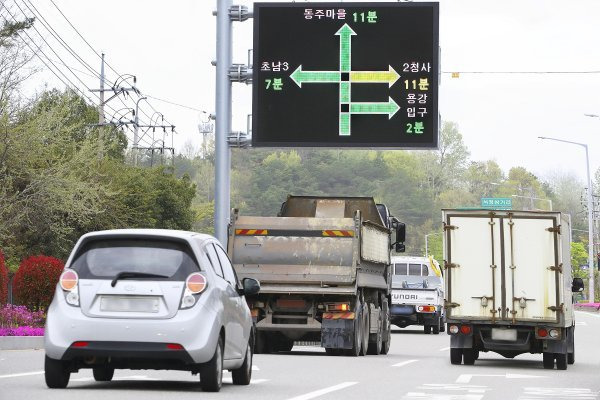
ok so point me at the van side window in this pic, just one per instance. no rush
(414, 269)
(400, 269)
(214, 259)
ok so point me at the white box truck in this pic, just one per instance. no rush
(508, 285)
(417, 293)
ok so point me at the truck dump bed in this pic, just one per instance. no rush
(314, 246)
(507, 266)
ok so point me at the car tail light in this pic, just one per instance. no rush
(465, 329)
(174, 346)
(426, 309)
(68, 283)
(68, 280)
(338, 306)
(194, 285)
(80, 344)
(453, 329)
(542, 332)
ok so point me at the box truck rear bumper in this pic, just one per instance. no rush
(405, 315)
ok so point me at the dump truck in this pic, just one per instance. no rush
(324, 268)
(508, 285)
(417, 293)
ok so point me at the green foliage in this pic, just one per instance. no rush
(579, 257)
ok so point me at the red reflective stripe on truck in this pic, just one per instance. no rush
(331, 315)
(338, 233)
(252, 232)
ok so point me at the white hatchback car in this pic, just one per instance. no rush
(149, 299)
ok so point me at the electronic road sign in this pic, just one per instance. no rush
(346, 75)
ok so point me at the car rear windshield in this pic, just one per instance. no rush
(104, 259)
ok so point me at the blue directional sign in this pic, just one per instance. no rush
(346, 75)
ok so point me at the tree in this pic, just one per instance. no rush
(579, 257)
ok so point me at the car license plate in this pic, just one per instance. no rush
(504, 334)
(129, 304)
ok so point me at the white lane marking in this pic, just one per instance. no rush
(255, 368)
(445, 348)
(135, 378)
(581, 323)
(252, 382)
(403, 363)
(321, 392)
(21, 374)
(536, 393)
(473, 392)
(466, 378)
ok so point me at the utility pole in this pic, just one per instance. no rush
(101, 105)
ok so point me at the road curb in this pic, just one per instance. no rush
(21, 342)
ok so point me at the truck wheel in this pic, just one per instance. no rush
(436, 329)
(561, 360)
(442, 326)
(366, 329)
(548, 360)
(571, 357)
(261, 346)
(376, 339)
(427, 329)
(571, 338)
(469, 356)
(477, 354)
(456, 356)
(330, 351)
(387, 327)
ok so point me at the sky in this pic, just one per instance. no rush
(169, 47)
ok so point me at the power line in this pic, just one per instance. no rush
(523, 72)
(175, 104)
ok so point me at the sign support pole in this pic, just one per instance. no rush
(223, 121)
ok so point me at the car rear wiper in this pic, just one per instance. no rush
(128, 274)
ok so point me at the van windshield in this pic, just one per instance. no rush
(104, 259)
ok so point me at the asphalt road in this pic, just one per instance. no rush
(418, 367)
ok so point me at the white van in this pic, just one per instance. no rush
(417, 293)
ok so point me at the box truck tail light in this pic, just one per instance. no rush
(337, 306)
(453, 329)
(426, 309)
(68, 282)
(465, 329)
(542, 332)
(554, 333)
(194, 285)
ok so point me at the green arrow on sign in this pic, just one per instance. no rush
(390, 108)
(301, 77)
(345, 57)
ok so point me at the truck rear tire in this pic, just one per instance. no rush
(261, 345)
(436, 329)
(456, 356)
(366, 329)
(427, 329)
(571, 357)
(387, 326)
(548, 360)
(357, 340)
(561, 360)
(376, 339)
(469, 356)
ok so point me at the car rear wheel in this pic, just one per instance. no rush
(56, 373)
(456, 356)
(243, 374)
(103, 374)
(211, 373)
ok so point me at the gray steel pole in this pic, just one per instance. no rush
(223, 121)
(590, 206)
(101, 107)
(426, 245)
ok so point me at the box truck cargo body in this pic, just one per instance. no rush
(509, 285)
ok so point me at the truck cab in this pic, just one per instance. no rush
(417, 293)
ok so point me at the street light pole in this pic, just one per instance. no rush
(590, 215)
(427, 243)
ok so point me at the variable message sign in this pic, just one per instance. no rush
(345, 75)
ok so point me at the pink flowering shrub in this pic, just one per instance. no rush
(19, 321)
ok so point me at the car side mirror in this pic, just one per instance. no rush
(251, 286)
(578, 285)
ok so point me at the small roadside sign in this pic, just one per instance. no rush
(496, 203)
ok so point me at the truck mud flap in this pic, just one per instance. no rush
(337, 333)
